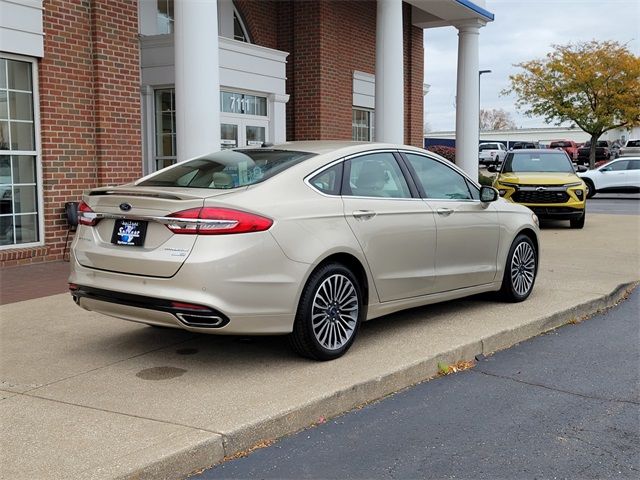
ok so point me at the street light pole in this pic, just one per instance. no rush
(479, 80)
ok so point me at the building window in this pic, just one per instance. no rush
(242, 103)
(230, 102)
(239, 30)
(362, 125)
(165, 16)
(19, 188)
(165, 110)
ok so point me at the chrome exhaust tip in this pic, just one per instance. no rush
(200, 321)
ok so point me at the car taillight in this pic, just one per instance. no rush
(216, 221)
(86, 216)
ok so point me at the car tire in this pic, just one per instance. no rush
(578, 222)
(329, 313)
(591, 189)
(521, 268)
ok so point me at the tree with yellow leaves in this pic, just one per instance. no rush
(594, 84)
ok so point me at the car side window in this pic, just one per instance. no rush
(620, 165)
(329, 180)
(440, 181)
(633, 165)
(375, 175)
(475, 191)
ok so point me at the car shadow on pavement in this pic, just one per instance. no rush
(229, 350)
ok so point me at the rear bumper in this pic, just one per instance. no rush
(252, 288)
(487, 160)
(197, 316)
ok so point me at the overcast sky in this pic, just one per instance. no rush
(522, 30)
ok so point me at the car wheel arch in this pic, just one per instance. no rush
(353, 263)
(532, 236)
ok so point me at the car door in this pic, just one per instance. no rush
(395, 228)
(467, 229)
(614, 175)
(632, 179)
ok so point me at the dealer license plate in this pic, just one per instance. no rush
(129, 232)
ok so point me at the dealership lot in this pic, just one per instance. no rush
(97, 397)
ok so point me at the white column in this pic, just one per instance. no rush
(468, 98)
(279, 118)
(197, 78)
(389, 72)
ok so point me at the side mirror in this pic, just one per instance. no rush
(492, 169)
(488, 194)
(582, 168)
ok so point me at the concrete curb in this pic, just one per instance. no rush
(210, 452)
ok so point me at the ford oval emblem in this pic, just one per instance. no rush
(125, 207)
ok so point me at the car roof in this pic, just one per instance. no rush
(327, 146)
(538, 150)
(321, 147)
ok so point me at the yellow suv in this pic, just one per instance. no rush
(546, 182)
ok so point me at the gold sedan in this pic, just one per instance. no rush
(306, 239)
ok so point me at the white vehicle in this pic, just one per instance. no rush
(618, 176)
(630, 149)
(492, 153)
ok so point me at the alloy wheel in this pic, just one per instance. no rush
(335, 311)
(523, 268)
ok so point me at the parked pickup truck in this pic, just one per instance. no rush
(631, 149)
(602, 152)
(568, 146)
(492, 153)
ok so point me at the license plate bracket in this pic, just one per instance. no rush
(130, 233)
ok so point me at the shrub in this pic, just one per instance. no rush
(485, 180)
(447, 152)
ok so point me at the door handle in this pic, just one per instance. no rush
(445, 212)
(364, 214)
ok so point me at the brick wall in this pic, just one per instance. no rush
(116, 73)
(90, 99)
(328, 40)
(89, 109)
(261, 19)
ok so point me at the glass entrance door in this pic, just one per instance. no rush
(228, 135)
(255, 135)
(238, 133)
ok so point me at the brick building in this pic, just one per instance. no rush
(99, 92)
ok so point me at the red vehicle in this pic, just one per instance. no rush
(568, 146)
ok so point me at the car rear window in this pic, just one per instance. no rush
(633, 143)
(537, 162)
(227, 169)
(559, 144)
(488, 146)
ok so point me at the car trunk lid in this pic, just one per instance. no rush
(131, 236)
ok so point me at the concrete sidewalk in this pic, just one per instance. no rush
(86, 396)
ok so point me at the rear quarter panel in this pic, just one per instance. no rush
(308, 225)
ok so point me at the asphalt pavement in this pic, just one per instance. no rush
(562, 405)
(612, 203)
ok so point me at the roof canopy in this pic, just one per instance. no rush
(444, 13)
